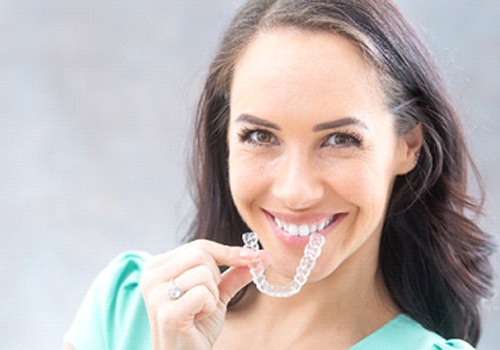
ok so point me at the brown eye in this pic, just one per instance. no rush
(339, 139)
(342, 140)
(257, 137)
(261, 137)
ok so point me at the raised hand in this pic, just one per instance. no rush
(194, 320)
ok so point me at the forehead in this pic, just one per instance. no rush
(300, 68)
(305, 44)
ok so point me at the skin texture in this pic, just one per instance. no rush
(309, 139)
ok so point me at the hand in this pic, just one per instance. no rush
(195, 320)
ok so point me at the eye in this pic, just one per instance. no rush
(343, 140)
(257, 137)
(261, 136)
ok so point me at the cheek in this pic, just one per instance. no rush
(247, 177)
(366, 185)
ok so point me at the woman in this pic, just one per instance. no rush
(317, 118)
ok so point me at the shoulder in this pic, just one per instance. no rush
(405, 333)
(113, 307)
(428, 339)
(123, 272)
(452, 344)
(117, 286)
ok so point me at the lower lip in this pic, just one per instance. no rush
(298, 241)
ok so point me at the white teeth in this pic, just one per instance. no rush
(302, 230)
(278, 223)
(293, 230)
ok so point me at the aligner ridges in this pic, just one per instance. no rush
(312, 252)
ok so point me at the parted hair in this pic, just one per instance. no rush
(433, 256)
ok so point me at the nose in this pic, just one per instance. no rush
(297, 183)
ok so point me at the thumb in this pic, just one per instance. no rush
(237, 277)
(232, 280)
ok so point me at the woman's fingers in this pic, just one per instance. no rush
(235, 278)
(196, 314)
(197, 263)
(162, 268)
(181, 314)
(232, 281)
(205, 251)
(199, 275)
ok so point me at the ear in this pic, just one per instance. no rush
(409, 146)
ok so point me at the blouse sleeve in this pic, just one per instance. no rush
(112, 314)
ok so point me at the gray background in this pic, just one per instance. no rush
(96, 100)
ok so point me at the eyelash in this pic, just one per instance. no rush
(353, 138)
(245, 136)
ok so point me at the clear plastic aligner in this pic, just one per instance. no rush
(311, 252)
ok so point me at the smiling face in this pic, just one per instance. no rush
(312, 147)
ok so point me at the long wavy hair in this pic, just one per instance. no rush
(433, 256)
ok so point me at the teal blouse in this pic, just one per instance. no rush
(113, 316)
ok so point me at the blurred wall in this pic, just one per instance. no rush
(96, 101)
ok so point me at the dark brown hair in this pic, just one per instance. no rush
(434, 259)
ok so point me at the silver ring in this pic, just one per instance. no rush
(174, 292)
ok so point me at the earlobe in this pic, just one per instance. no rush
(409, 148)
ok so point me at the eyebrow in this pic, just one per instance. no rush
(248, 118)
(340, 123)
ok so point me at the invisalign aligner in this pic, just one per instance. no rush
(311, 252)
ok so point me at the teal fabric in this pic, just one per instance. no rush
(112, 314)
(113, 317)
(404, 333)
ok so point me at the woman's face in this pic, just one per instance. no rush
(312, 147)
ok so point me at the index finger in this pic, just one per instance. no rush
(210, 252)
(228, 255)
